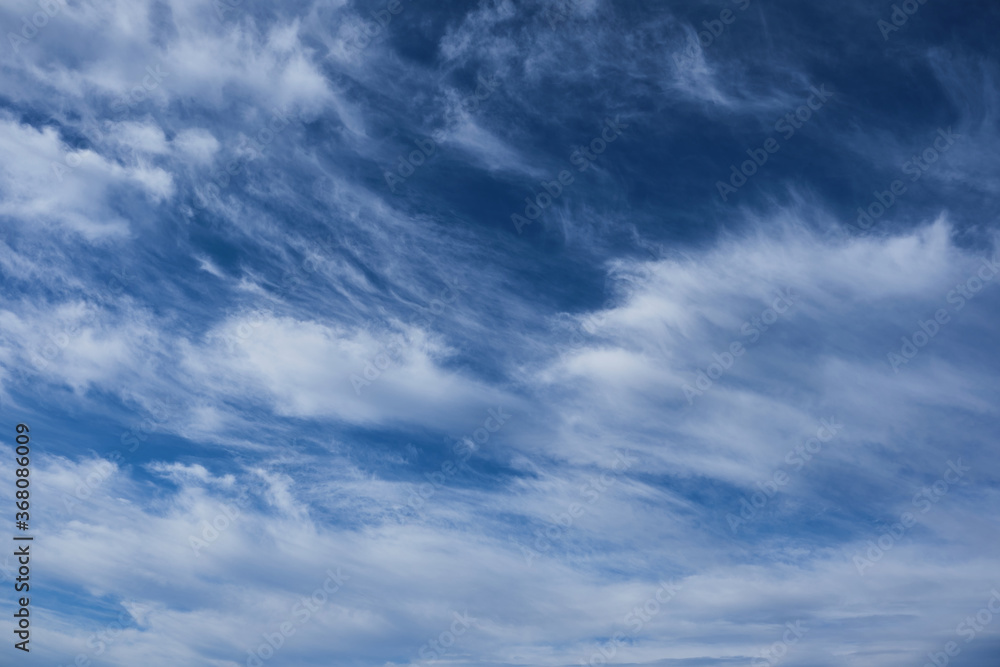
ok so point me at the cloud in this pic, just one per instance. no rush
(54, 184)
(248, 363)
(308, 369)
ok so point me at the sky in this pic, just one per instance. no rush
(513, 332)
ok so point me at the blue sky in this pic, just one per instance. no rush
(521, 332)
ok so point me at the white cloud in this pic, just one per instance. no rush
(196, 144)
(54, 184)
(308, 369)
